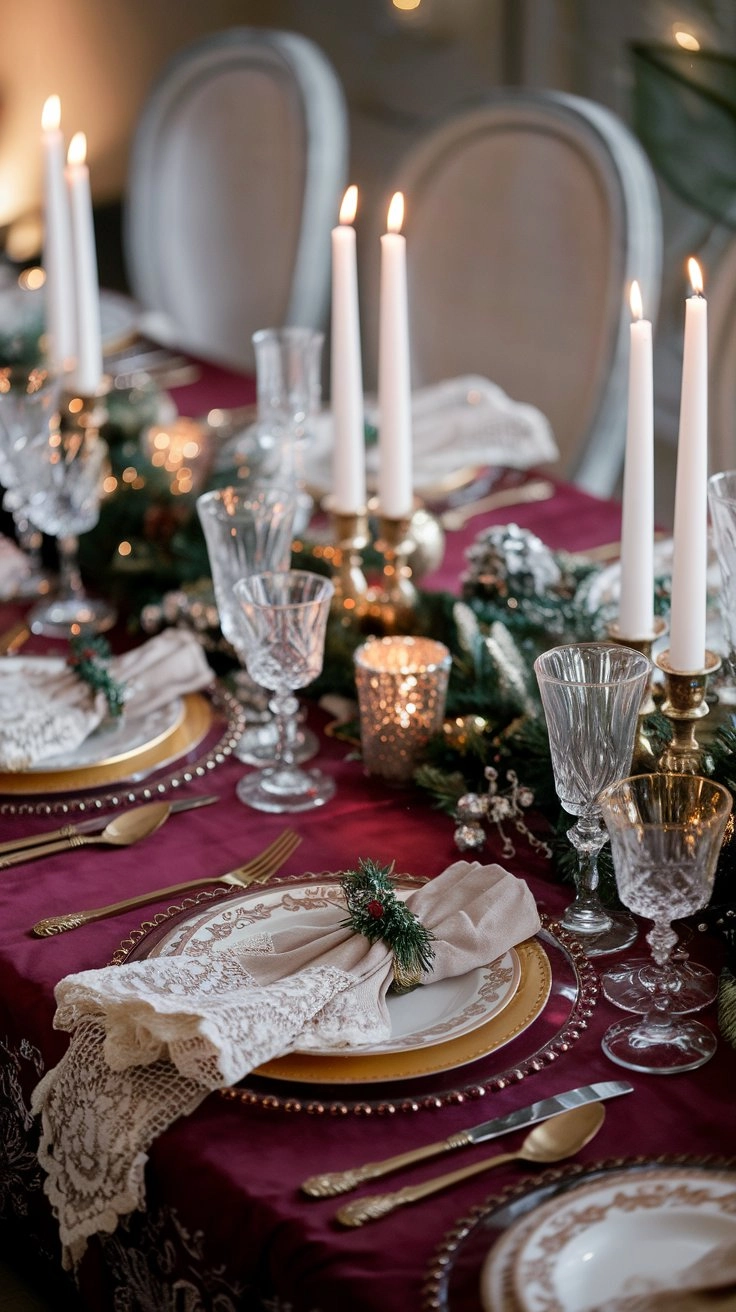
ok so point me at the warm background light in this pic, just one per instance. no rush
(695, 275)
(77, 152)
(349, 207)
(406, 4)
(395, 213)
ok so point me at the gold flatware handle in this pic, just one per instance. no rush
(94, 825)
(258, 870)
(20, 856)
(539, 489)
(332, 1183)
(378, 1205)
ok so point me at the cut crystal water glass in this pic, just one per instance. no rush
(666, 833)
(284, 625)
(591, 694)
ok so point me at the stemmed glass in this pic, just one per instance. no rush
(29, 404)
(248, 529)
(285, 620)
(58, 474)
(666, 834)
(591, 694)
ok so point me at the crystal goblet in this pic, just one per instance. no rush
(666, 833)
(284, 624)
(591, 694)
(29, 403)
(58, 483)
(248, 529)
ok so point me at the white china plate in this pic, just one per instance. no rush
(432, 1014)
(113, 739)
(633, 1232)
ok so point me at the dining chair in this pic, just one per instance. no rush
(527, 217)
(238, 165)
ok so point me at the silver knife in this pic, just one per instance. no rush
(340, 1182)
(96, 824)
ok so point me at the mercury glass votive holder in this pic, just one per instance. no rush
(402, 689)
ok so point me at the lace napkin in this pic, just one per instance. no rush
(461, 421)
(708, 1285)
(59, 710)
(150, 1039)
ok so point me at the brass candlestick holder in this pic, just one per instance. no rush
(392, 601)
(350, 600)
(644, 645)
(684, 705)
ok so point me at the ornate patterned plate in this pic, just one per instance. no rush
(463, 1268)
(431, 1015)
(152, 743)
(624, 1235)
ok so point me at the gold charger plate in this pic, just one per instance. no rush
(181, 737)
(527, 1003)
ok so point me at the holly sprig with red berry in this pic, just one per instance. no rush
(88, 658)
(375, 911)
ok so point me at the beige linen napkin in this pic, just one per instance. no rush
(151, 1038)
(45, 711)
(709, 1285)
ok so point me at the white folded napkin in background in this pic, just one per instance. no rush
(150, 1039)
(462, 421)
(45, 711)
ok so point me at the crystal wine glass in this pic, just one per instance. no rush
(58, 483)
(285, 620)
(666, 832)
(248, 529)
(29, 405)
(591, 694)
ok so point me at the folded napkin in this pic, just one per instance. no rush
(150, 1039)
(461, 421)
(59, 710)
(708, 1285)
(15, 568)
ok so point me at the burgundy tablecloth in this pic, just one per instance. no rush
(225, 1226)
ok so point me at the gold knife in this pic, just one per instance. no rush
(94, 825)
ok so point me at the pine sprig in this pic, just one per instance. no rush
(89, 659)
(377, 913)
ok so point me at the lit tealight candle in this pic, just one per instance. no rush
(394, 379)
(345, 366)
(636, 603)
(57, 253)
(88, 371)
(689, 563)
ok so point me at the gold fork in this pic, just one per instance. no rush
(256, 871)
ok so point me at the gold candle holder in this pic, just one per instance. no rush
(392, 601)
(643, 645)
(684, 705)
(82, 414)
(351, 589)
(402, 687)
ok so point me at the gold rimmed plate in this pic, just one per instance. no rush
(437, 1028)
(147, 749)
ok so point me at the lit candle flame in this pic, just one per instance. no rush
(349, 207)
(51, 114)
(637, 309)
(77, 152)
(395, 213)
(696, 277)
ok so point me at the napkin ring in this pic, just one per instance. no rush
(88, 657)
(375, 911)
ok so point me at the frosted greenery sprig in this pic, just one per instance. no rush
(88, 658)
(376, 912)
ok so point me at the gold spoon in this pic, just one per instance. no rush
(561, 1136)
(120, 832)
